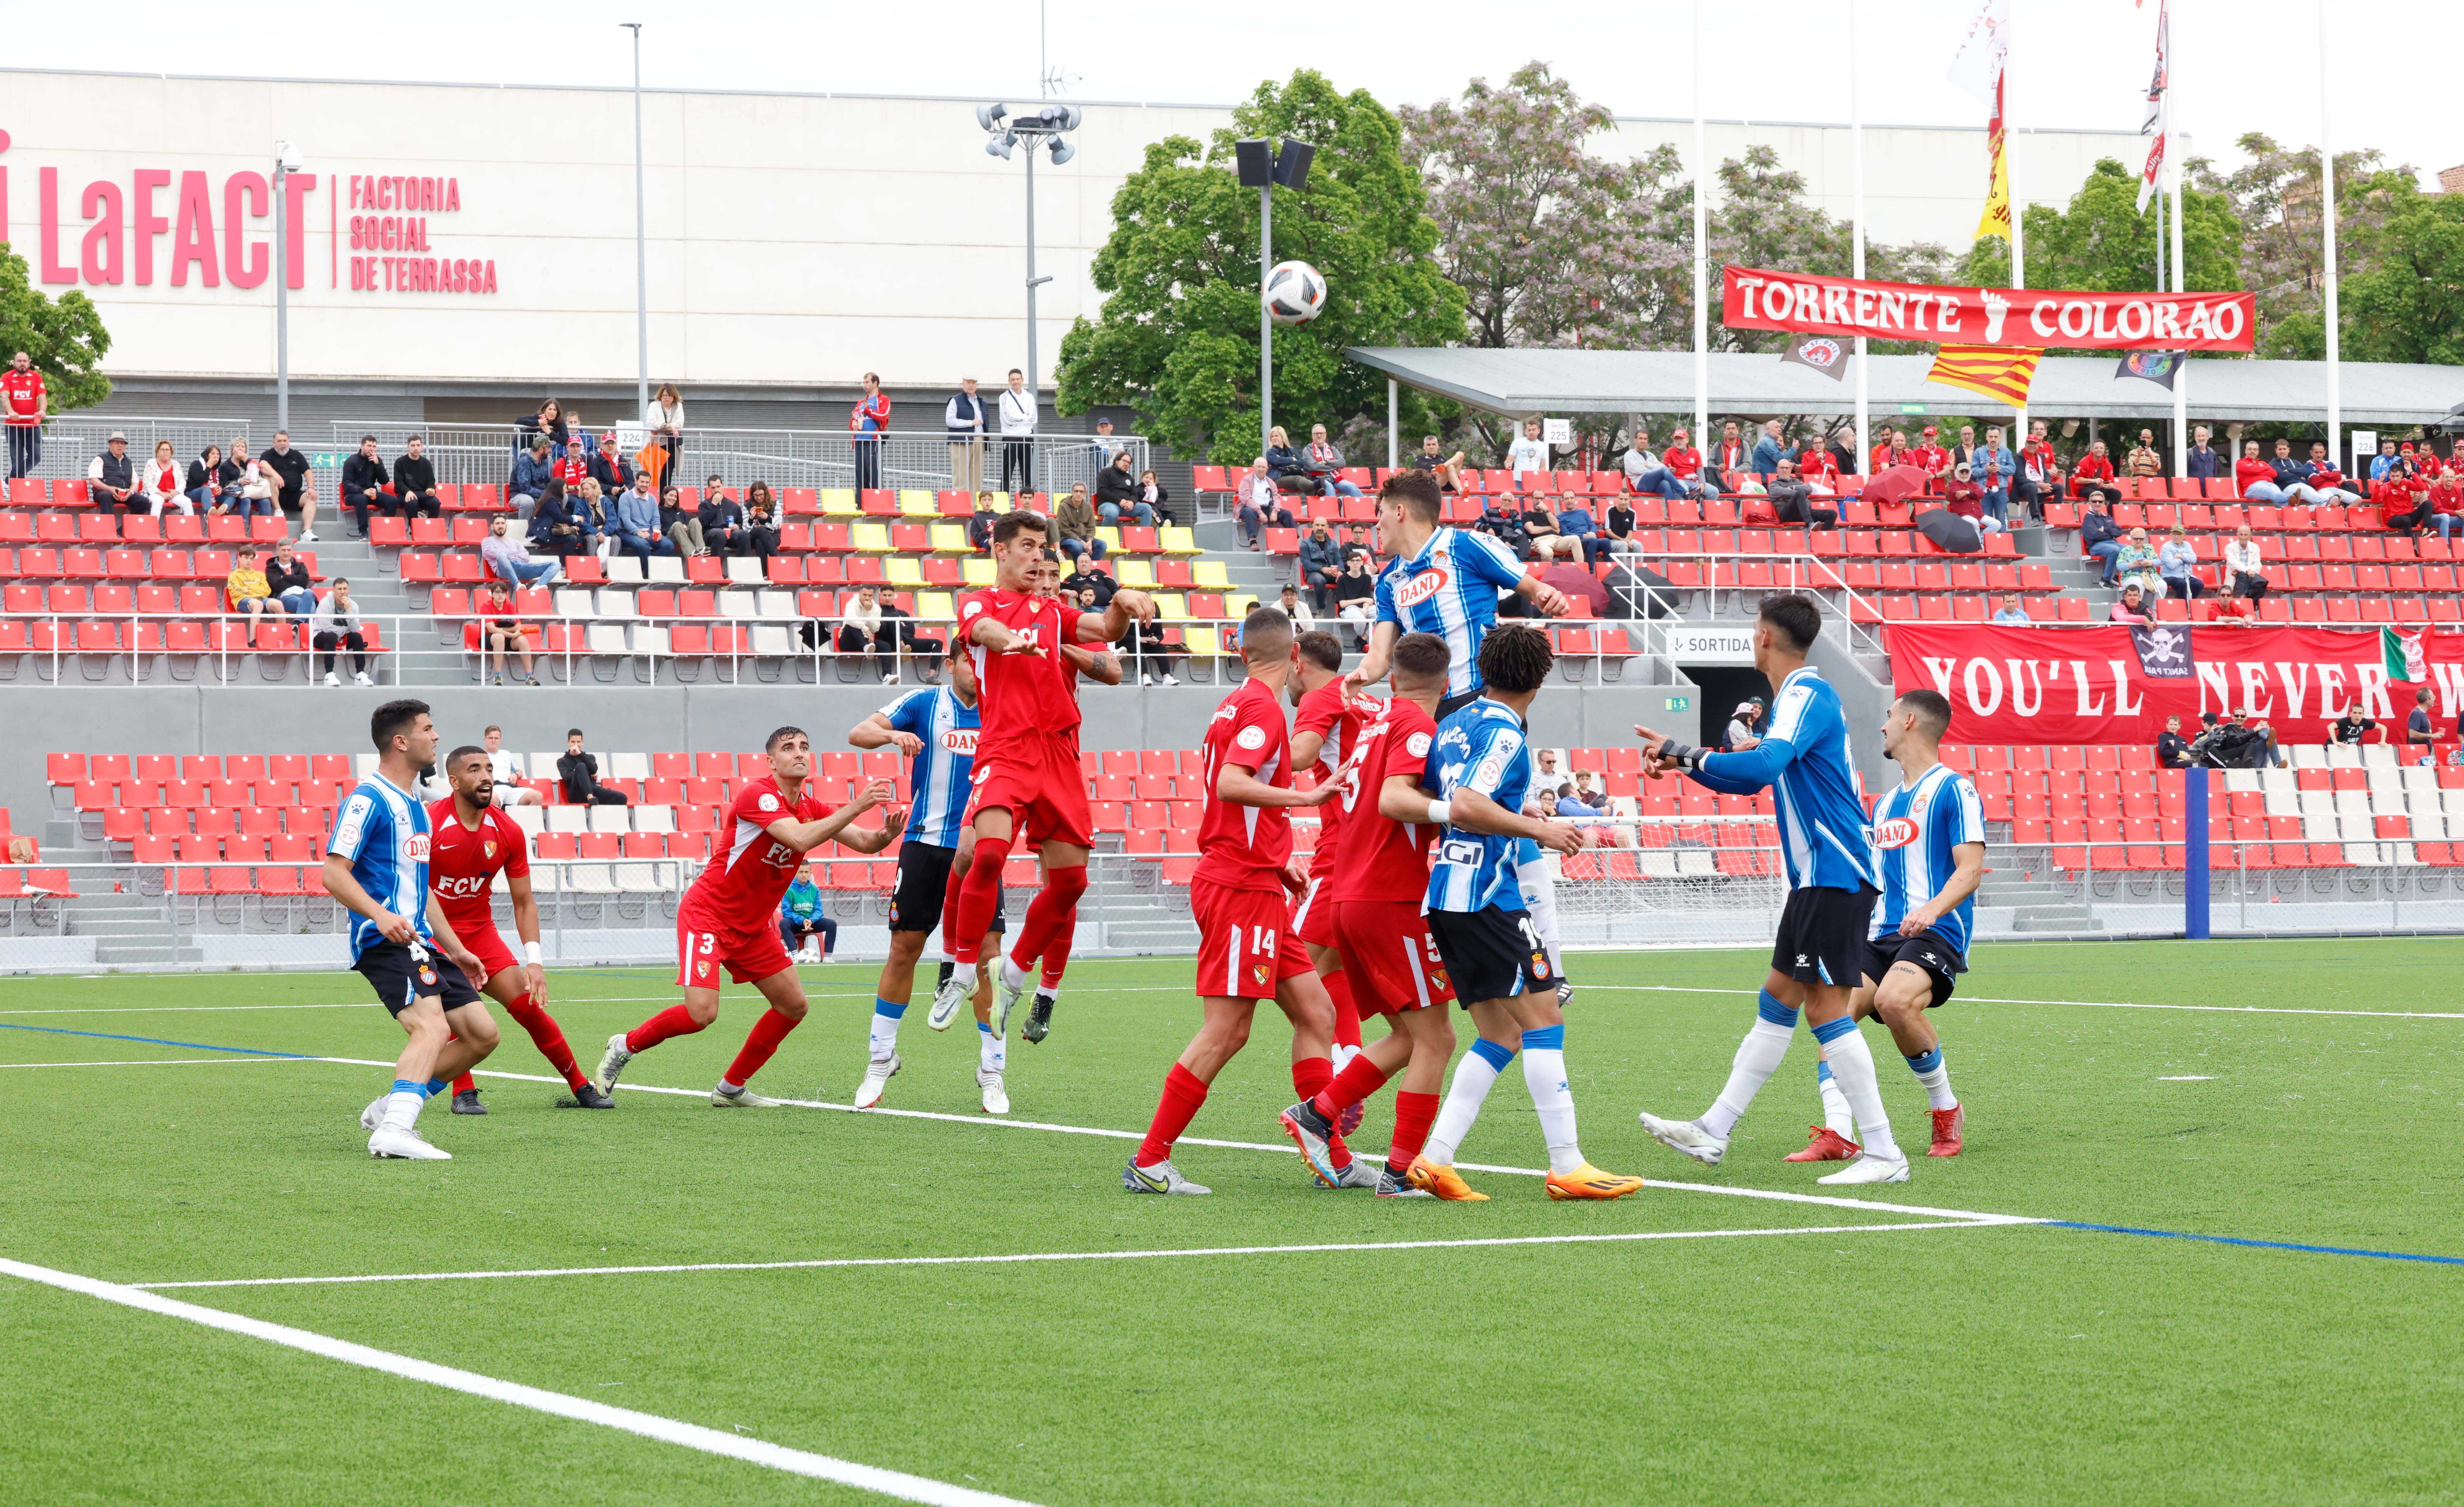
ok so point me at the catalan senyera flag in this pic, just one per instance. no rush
(2001, 372)
(1996, 218)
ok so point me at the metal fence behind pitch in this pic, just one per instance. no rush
(71, 442)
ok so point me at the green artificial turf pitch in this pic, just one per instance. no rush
(1958, 1362)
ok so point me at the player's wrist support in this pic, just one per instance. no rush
(1684, 756)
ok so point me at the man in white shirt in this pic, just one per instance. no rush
(1527, 454)
(1017, 436)
(509, 772)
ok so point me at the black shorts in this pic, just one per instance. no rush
(401, 976)
(1927, 950)
(1448, 706)
(1491, 954)
(1822, 935)
(923, 884)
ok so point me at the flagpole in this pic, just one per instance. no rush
(2011, 183)
(2327, 220)
(2173, 154)
(1702, 252)
(1857, 227)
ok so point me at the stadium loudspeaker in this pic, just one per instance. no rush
(2194, 854)
(1292, 163)
(1256, 164)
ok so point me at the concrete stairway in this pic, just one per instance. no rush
(129, 929)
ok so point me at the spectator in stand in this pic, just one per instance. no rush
(1727, 469)
(161, 481)
(721, 520)
(2177, 561)
(414, 480)
(1074, 518)
(761, 521)
(2447, 504)
(1646, 472)
(1355, 600)
(2420, 731)
(111, 477)
(678, 524)
(1893, 451)
(1103, 447)
(1447, 469)
(286, 576)
(2093, 475)
(2293, 476)
(1770, 448)
(24, 405)
(2245, 571)
(1261, 503)
(2132, 608)
(1685, 463)
(2385, 463)
(1018, 412)
(578, 772)
(614, 473)
(2172, 749)
(980, 527)
(2011, 612)
(251, 595)
(807, 931)
(500, 632)
(1962, 496)
(1842, 450)
(1994, 468)
(1148, 655)
(336, 626)
(1290, 468)
(2325, 479)
(1089, 585)
(532, 471)
(2041, 472)
(1793, 498)
(2140, 561)
(2143, 460)
(963, 418)
(1325, 461)
(863, 628)
(2352, 727)
(213, 483)
(662, 421)
(1157, 498)
(2255, 479)
(635, 527)
(1930, 458)
(2205, 464)
(1117, 496)
(1574, 521)
(2249, 719)
(570, 468)
(2403, 502)
(1964, 450)
(255, 487)
(513, 773)
(1298, 610)
(1738, 735)
(868, 421)
(1321, 564)
(1542, 535)
(1817, 467)
(561, 524)
(1617, 528)
(1527, 454)
(1570, 804)
(547, 423)
(510, 561)
(365, 481)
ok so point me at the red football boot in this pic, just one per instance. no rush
(1947, 1124)
(1825, 1144)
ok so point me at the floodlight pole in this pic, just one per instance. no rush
(1861, 445)
(281, 290)
(2327, 222)
(1266, 319)
(1032, 143)
(1702, 242)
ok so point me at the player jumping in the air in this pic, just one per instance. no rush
(376, 867)
(1027, 785)
(1820, 955)
(1441, 580)
(1237, 897)
(1379, 878)
(1481, 770)
(1930, 856)
(730, 918)
(1323, 720)
(469, 841)
(936, 727)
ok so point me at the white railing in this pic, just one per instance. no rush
(73, 440)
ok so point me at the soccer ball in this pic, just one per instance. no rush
(1295, 293)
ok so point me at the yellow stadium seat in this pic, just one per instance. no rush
(869, 539)
(1180, 541)
(1138, 573)
(1000, 502)
(1172, 607)
(977, 571)
(1237, 607)
(918, 502)
(1202, 643)
(1210, 573)
(937, 607)
(1111, 536)
(839, 502)
(903, 571)
(949, 538)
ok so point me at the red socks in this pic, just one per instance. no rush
(1359, 1078)
(758, 1045)
(1346, 1015)
(1414, 1114)
(1311, 1078)
(978, 899)
(549, 1037)
(1051, 918)
(465, 1084)
(674, 1021)
(1183, 1094)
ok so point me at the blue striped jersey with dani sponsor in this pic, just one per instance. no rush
(1479, 749)
(383, 830)
(1806, 762)
(1450, 588)
(1916, 826)
(943, 771)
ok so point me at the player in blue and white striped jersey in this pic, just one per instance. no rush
(1818, 959)
(1441, 580)
(376, 867)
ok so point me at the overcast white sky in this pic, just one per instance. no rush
(2239, 65)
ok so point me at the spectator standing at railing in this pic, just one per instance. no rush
(548, 424)
(286, 576)
(1965, 449)
(663, 419)
(578, 771)
(289, 469)
(162, 479)
(1325, 461)
(1117, 496)
(761, 521)
(1261, 503)
(2203, 461)
(677, 524)
(2093, 475)
(868, 421)
(1793, 498)
(363, 482)
(1994, 470)
(963, 418)
(213, 482)
(24, 405)
(2177, 561)
(2420, 730)
(722, 521)
(1018, 412)
(636, 526)
(415, 482)
(2011, 613)
(1103, 447)
(1528, 452)
(2100, 538)
(1321, 564)
(111, 477)
(509, 561)
(250, 593)
(2245, 571)
(338, 625)
(2255, 479)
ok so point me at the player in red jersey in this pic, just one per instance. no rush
(730, 917)
(1324, 722)
(1245, 954)
(469, 842)
(1380, 876)
(1027, 785)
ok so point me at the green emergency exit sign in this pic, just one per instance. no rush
(1678, 703)
(1912, 407)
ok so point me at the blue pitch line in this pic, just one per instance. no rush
(156, 1041)
(2260, 1244)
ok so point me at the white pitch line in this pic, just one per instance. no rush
(1086, 1255)
(650, 1426)
(1986, 999)
(156, 1062)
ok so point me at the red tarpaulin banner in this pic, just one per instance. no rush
(2117, 685)
(1753, 299)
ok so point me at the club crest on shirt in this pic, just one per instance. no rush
(489, 847)
(1262, 971)
(1423, 585)
(701, 966)
(426, 976)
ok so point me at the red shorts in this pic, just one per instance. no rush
(1244, 948)
(1313, 914)
(1038, 781)
(1392, 960)
(489, 944)
(703, 947)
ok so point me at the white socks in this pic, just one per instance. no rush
(963, 974)
(991, 1053)
(1544, 1073)
(886, 1016)
(1835, 1113)
(402, 1107)
(1759, 1057)
(1012, 976)
(1852, 1065)
(1473, 1075)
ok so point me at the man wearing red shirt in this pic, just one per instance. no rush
(573, 468)
(1245, 953)
(1027, 790)
(1324, 723)
(1892, 451)
(730, 917)
(1817, 466)
(24, 405)
(469, 843)
(2094, 472)
(1730, 458)
(1683, 461)
(1932, 459)
(1381, 878)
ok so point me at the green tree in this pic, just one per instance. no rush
(1765, 221)
(2276, 200)
(2410, 304)
(64, 335)
(2101, 243)
(1178, 338)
